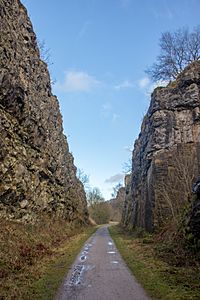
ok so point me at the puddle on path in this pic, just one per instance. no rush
(76, 275)
(83, 257)
(111, 252)
(114, 262)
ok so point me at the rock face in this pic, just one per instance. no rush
(126, 209)
(166, 156)
(37, 173)
(116, 205)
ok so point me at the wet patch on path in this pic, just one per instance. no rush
(100, 273)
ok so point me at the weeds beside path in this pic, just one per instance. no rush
(160, 279)
(35, 258)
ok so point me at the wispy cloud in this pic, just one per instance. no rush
(108, 113)
(163, 12)
(144, 82)
(84, 29)
(147, 86)
(77, 81)
(115, 117)
(115, 178)
(106, 109)
(126, 84)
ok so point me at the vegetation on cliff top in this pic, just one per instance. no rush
(177, 50)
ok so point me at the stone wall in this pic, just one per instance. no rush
(37, 173)
(166, 155)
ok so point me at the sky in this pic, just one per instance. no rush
(99, 51)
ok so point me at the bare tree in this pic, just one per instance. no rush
(84, 178)
(94, 196)
(127, 166)
(99, 209)
(116, 189)
(44, 52)
(177, 50)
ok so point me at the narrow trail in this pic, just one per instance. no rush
(99, 273)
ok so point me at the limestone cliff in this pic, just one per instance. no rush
(126, 208)
(116, 205)
(37, 173)
(166, 155)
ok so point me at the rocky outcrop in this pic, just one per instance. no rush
(116, 205)
(166, 156)
(37, 173)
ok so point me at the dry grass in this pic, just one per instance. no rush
(26, 252)
(166, 272)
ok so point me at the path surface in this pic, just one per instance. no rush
(99, 273)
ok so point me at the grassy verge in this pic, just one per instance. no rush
(161, 280)
(35, 258)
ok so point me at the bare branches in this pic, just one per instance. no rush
(44, 52)
(84, 178)
(94, 196)
(178, 49)
(127, 166)
(116, 189)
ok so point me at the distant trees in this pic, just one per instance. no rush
(94, 196)
(177, 50)
(99, 209)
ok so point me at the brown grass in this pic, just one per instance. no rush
(27, 250)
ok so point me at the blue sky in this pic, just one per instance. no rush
(99, 50)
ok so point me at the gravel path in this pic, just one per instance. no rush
(99, 273)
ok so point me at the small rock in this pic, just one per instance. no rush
(24, 204)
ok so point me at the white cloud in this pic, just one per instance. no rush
(147, 86)
(106, 109)
(156, 84)
(115, 117)
(144, 82)
(77, 81)
(115, 178)
(107, 112)
(124, 85)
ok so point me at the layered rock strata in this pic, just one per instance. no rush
(166, 155)
(37, 173)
